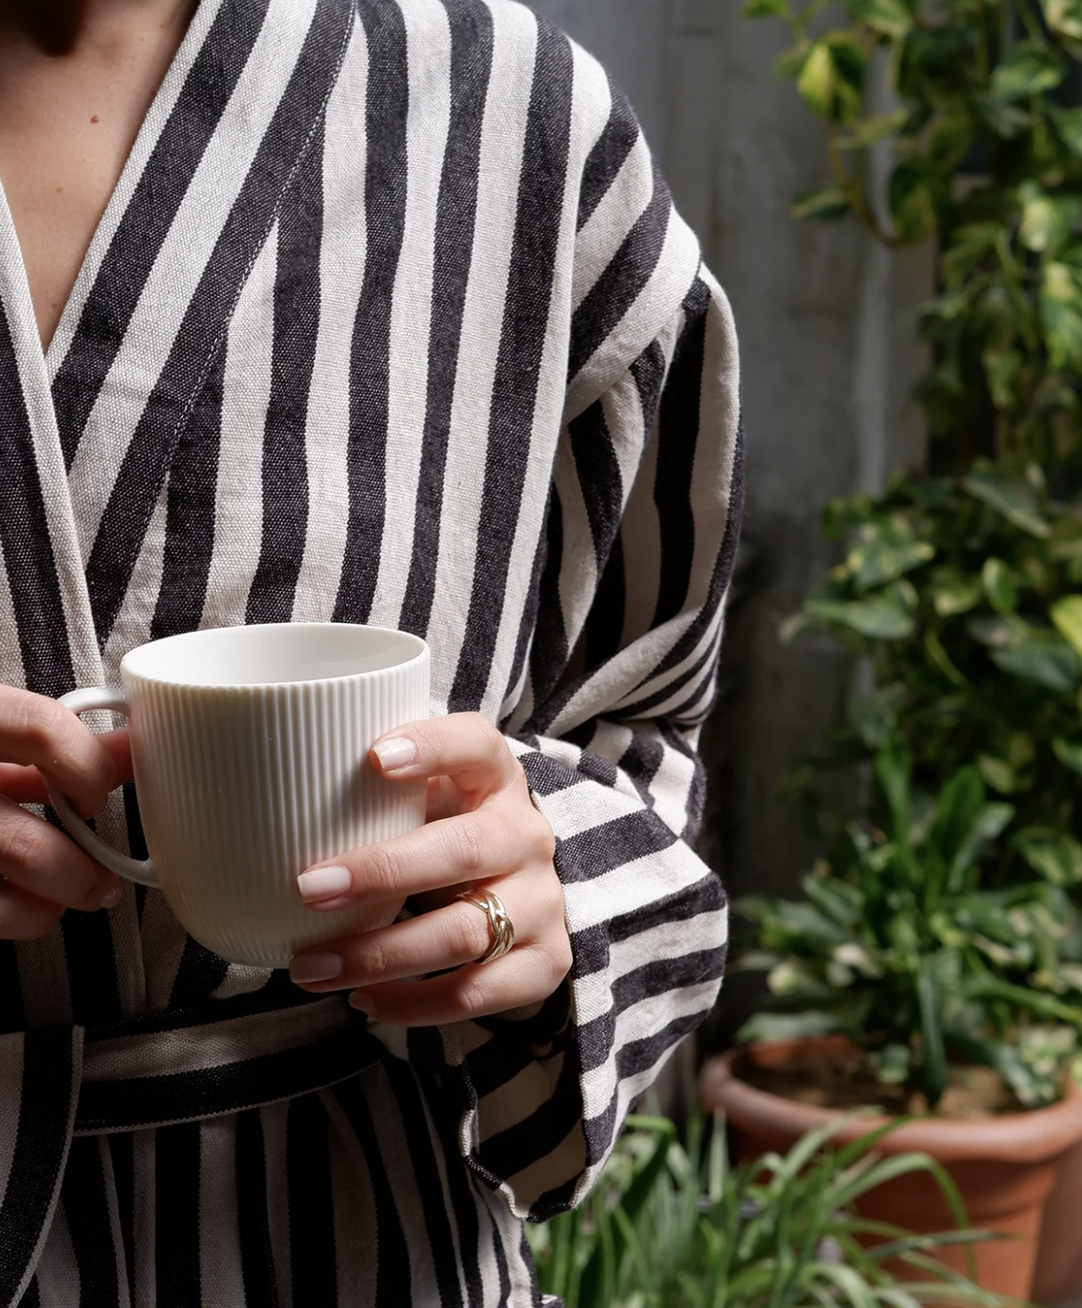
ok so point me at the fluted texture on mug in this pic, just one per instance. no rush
(241, 789)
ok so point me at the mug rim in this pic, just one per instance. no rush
(420, 652)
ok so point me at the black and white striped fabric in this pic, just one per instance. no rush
(389, 320)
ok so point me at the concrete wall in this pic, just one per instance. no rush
(826, 365)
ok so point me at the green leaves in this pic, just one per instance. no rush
(1067, 615)
(672, 1222)
(1030, 68)
(1013, 497)
(767, 9)
(933, 1050)
(1064, 19)
(1047, 221)
(889, 17)
(880, 617)
(1049, 663)
(832, 78)
(916, 952)
(999, 586)
(1061, 313)
(885, 551)
(1053, 855)
(964, 591)
(916, 195)
(822, 204)
(873, 130)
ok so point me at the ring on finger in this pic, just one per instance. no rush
(499, 921)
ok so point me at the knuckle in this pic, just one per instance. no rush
(468, 938)
(469, 999)
(560, 960)
(486, 730)
(554, 899)
(430, 738)
(542, 840)
(470, 851)
(382, 872)
(377, 960)
(24, 844)
(39, 721)
(490, 741)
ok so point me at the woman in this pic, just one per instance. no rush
(373, 311)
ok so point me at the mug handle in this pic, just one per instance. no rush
(132, 869)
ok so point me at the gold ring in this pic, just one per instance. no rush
(499, 921)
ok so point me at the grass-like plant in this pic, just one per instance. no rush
(675, 1225)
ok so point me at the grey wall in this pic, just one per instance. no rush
(826, 365)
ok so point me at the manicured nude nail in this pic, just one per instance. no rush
(324, 883)
(396, 753)
(112, 898)
(310, 968)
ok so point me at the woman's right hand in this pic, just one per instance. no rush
(43, 871)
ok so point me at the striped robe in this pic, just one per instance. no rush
(389, 319)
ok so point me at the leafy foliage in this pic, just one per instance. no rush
(986, 157)
(897, 946)
(664, 1231)
(966, 595)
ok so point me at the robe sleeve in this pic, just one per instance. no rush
(642, 533)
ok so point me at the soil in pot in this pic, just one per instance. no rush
(827, 1076)
(1003, 1161)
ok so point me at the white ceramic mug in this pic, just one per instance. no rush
(250, 749)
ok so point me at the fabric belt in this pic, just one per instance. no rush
(158, 1071)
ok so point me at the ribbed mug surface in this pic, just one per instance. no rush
(241, 787)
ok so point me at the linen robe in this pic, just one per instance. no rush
(389, 319)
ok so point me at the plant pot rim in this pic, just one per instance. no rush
(1036, 1136)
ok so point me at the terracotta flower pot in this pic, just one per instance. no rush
(1005, 1167)
(1059, 1261)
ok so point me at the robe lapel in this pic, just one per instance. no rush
(155, 319)
(47, 641)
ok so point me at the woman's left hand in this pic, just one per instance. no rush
(483, 834)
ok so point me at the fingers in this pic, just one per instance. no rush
(491, 841)
(525, 976)
(25, 785)
(465, 746)
(382, 966)
(447, 937)
(39, 859)
(37, 732)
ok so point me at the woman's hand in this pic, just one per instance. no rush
(484, 834)
(43, 871)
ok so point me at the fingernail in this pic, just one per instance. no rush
(324, 883)
(309, 968)
(111, 898)
(395, 753)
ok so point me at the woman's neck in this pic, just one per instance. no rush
(59, 27)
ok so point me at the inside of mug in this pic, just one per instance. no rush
(272, 654)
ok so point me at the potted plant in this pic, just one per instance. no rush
(676, 1226)
(901, 985)
(974, 619)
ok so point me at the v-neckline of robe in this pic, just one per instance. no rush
(100, 414)
(14, 273)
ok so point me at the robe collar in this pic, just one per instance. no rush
(88, 431)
